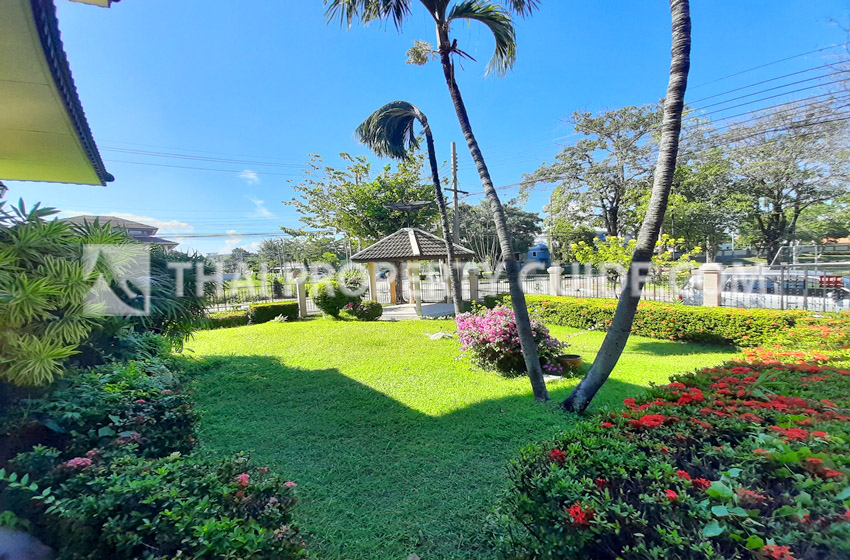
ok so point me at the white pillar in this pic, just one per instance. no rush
(373, 285)
(447, 278)
(555, 280)
(301, 294)
(416, 290)
(473, 285)
(711, 288)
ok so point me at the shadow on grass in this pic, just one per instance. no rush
(377, 478)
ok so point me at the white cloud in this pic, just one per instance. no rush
(251, 177)
(164, 226)
(232, 242)
(260, 210)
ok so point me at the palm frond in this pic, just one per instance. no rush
(389, 130)
(522, 7)
(501, 26)
(346, 11)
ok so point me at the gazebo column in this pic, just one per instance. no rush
(416, 287)
(373, 285)
(447, 278)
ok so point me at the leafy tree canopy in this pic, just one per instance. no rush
(352, 200)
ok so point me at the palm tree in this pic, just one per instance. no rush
(621, 325)
(498, 21)
(389, 133)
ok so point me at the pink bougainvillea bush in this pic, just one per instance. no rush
(490, 338)
(747, 461)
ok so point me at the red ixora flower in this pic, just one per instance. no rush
(243, 480)
(651, 421)
(579, 516)
(558, 456)
(775, 552)
(600, 483)
(701, 483)
(683, 475)
(671, 496)
(607, 425)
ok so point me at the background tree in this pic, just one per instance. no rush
(828, 220)
(604, 174)
(476, 231)
(785, 162)
(621, 325)
(389, 132)
(352, 201)
(498, 21)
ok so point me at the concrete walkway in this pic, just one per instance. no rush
(407, 312)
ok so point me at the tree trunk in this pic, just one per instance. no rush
(621, 326)
(523, 323)
(457, 293)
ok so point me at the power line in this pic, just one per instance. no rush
(767, 81)
(235, 171)
(760, 66)
(778, 87)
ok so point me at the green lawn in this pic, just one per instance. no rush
(396, 444)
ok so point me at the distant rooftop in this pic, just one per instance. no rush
(116, 222)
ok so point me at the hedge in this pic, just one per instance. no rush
(225, 319)
(716, 325)
(265, 312)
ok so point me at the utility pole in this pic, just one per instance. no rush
(454, 190)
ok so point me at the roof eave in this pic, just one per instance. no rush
(47, 26)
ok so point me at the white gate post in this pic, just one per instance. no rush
(711, 288)
(555, 280)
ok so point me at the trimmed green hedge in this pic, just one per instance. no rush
(717, 325)
(225, 319)
(265, 312)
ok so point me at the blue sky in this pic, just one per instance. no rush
(270, 82)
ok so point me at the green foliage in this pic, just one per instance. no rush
(619, 251)
(265, 312)
(478, 233)
(709, 466)
(138, 402)
(600, 179)
(165, 508)
(352, 200)
(329, 297)
(227, 319)
(43, 286)
(716, 325)
(365, 310)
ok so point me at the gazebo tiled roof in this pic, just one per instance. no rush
(409, 244)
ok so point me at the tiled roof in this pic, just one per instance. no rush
(155, 240)
(116, 222)
(409, 244)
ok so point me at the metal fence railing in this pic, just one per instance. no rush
(821, 287)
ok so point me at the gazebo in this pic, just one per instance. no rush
(409, 245)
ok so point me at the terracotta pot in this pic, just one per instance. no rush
(570, 361)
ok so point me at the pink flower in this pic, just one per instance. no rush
(243, 480)
(91, 453)
(78, 463)
(140, 401)
(289, 484)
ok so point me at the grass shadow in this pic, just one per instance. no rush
(377, 478)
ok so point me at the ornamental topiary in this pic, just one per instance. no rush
(365, 310)
(330, 298)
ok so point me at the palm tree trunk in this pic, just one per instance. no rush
(621, 325)
(457, 293)
(523, 323)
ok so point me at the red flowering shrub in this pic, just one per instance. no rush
(747, 461)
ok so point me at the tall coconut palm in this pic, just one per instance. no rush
(621, 325)
(389, 133)
(498, 20)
